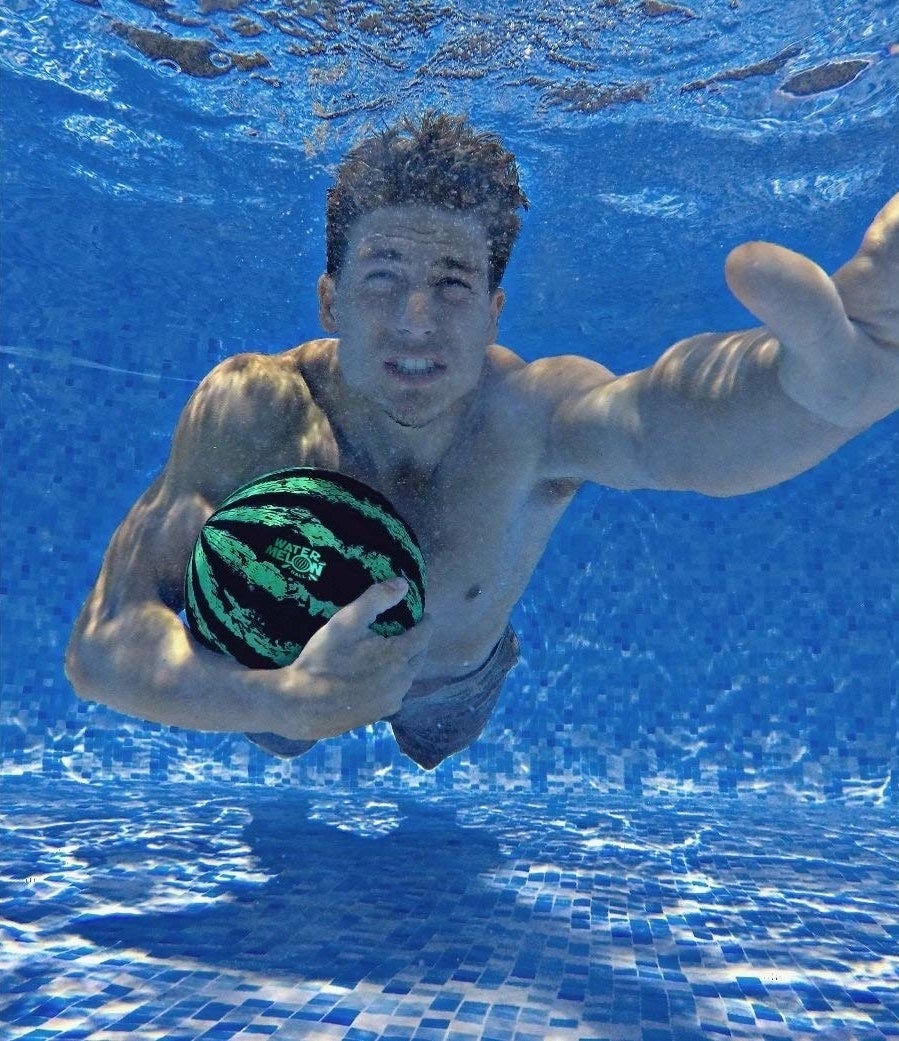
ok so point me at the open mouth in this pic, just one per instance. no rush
(415, 370)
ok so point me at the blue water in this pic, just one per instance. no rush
(681, 822)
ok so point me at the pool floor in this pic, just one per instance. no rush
(186, 911)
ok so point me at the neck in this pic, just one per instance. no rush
(392, 449)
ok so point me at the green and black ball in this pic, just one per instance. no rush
(285, 552)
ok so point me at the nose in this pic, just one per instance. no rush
(417, 314)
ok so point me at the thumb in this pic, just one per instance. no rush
(791, 295)
(378, 598)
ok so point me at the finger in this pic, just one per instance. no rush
(868, 284)
(882, 237)
(358, 615)
(415, 640)
(398, 649)
(790, 294)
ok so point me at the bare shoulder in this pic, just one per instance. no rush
(558, 378)
(578, 417)
(244, 417)
(548, 381)
(245, 413)
(537, 391)
(242, 386)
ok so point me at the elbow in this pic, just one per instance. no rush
(82, 666)
(75, 666)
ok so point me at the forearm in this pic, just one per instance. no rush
(714, 417)
(144, 663)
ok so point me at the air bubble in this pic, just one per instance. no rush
(220, 59)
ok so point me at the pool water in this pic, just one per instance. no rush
(681, 822)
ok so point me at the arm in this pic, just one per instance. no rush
(725, 414)
(130, 650)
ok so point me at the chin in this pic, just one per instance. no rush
(418, 412)
(416, 415)
(410, 422)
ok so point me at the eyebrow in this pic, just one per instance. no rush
(448, 261)
(454, 264)
(379, 253)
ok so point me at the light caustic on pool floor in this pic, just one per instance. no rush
(368, 915)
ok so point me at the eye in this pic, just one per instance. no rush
(381, 280)
(456, 286)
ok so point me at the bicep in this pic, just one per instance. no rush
(127, 625)
(594, 431)
(246, 405)
(148, 553)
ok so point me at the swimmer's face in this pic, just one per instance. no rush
(413, 310)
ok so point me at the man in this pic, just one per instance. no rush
(480, 451)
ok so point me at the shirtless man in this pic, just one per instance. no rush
(478, 450)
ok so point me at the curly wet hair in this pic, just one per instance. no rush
(438, 160)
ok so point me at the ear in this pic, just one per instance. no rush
(497, 302)
(327, 300)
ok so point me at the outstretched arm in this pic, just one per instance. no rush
(725, 414)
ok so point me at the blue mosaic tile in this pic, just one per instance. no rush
(337, 962)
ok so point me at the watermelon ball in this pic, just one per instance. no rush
(285, 552)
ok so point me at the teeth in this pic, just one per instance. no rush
(415, 365)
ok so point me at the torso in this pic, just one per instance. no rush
(482, 517)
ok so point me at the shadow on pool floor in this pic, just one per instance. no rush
(178, 911)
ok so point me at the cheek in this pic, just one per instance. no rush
(367, 323)
(359, 354)
(481, 329)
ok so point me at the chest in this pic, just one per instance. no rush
(480, 517)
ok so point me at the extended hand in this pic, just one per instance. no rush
(839, 336)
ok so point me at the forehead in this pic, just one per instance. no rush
(419, 232)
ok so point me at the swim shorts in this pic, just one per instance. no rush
(434, 723)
